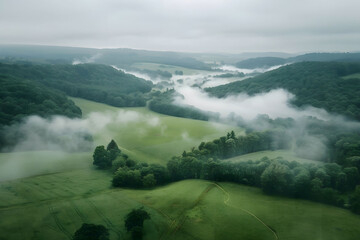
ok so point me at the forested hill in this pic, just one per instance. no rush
(20, 98)
(333, 86)
(95, 82)
(265, 62)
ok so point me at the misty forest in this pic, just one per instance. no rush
(176, 125)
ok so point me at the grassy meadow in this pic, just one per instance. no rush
(69, 191)
(151, 137)
(53, 206)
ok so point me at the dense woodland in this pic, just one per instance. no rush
(318, 84)
(19, 98)
(265, 62)
(89, 81)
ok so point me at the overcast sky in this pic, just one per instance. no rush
(231, 26)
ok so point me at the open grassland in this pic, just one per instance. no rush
(152, 137)
(24, 164)
(285, 154)
(53, 206)
(169, 68)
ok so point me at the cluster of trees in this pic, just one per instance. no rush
(330, 183)
(154, 74)
(127, 172)
(261, 62)
(138, 175)
(90, 231)
(230, 145)
(103, 158)
(134, 222)
(163, 103)
(230, 75)
(89, 81)
(20, 98)
(319, 84)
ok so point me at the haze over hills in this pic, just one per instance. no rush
(271, 128)
(179, 120)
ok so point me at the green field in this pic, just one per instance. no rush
(285, 154)
(70, 191)
(149, 136)
(53, 206)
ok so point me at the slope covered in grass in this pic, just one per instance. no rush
(54, 206)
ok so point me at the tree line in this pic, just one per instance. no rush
(329, 183)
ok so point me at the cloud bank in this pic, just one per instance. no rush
(185, 25)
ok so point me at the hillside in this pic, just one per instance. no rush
(20, 98)
(90, 81)
(266, 62)
(318, 84)
(262, 62)
(119, 56)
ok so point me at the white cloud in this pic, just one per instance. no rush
(185, 25)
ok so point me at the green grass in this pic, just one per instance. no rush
(151, 137)
(53, 206)
(285, 154)
(25, 164)
(169, 68)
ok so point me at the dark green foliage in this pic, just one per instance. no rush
(276, 179)
(328, 183)
(137, 233)
(230, 75)
(90, 81)
(163, 103)
(158, 74)
(138, 175)
(20, 98)
(91, 232)
(112, 146)
(261, 62)
(120, 57)
(317, 84)
(136, 218)
(149, 181)
(104, 158)
(101, 157)
(355, 201)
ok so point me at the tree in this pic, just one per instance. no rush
(101, 157)
(113, 150)
(136, 233)
(91, 232)
(136, 218)
(355, 201)
(112, 146)
(276, 179)
(149, 181)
